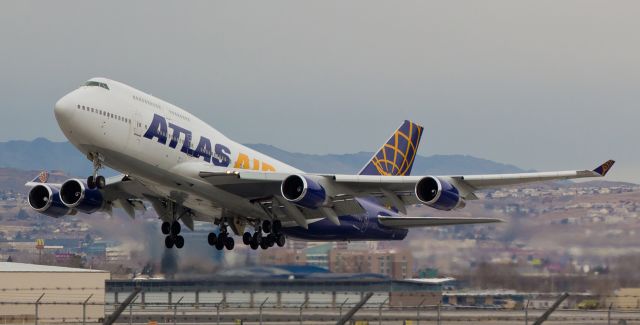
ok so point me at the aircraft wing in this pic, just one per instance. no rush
(468, 184)
(416, 222)
(394, 191)
(128, 193)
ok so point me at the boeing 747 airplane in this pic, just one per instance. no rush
(188, 171)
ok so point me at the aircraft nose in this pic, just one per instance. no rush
(64, 109)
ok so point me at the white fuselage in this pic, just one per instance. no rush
(113, 122)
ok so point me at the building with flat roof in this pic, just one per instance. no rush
(394, 263)
(281, 286)
(61, 292)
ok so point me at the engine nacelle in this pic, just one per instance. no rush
(439, 194)
(303, 191)
(46, 200)
(75, 194)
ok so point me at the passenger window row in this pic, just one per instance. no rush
(104, 113)
(179, 115)
(148, 102)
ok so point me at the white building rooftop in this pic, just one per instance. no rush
(23, 267)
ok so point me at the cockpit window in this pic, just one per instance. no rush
(96, 84)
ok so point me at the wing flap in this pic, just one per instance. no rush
(416, 222)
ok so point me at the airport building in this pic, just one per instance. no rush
(283, 286)
(397, 264)
(59, 291)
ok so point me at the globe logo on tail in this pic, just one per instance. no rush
(396, 157)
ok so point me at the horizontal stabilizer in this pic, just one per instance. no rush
(415, 222)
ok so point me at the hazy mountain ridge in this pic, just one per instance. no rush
(42, 154)
(352, 163)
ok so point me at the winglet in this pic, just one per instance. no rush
(604, 168)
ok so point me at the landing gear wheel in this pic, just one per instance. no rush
(212, 239)
(280, 240)
(264, 244)
(229, 243)
(101, 182)
(266, 226)
(175, 228)
(166, 228)
(271, 240)
(277, 226)
(246, 238)
(91, 182)
(222, 238)
(179, 242)
(255, 240)
(168, 242)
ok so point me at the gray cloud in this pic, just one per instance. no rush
(542, 84)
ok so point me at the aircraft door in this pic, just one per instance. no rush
(137, 125)
(137, 131)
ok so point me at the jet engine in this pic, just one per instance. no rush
(75, 194)
(439, 194)
(46, 200)
(303, 191)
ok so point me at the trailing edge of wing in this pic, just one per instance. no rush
(414, 222)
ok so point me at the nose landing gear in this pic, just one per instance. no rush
(96, 180)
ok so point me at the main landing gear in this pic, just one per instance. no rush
(96, 180)
(172, 230)
(222, 240)
(273, 235)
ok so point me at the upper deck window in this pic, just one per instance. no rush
(96, 84)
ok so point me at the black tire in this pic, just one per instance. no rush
(166, 228)
(179, 242)
(246, 238)
(91, 183)
(101, 182)
(229, 243)
(168, 242)
(254, 244)
(271, 240)
(221, 238)
(277, 226)
(264, 244)
(175, 228)
(266, 226)
(212, 239)
(281, 240)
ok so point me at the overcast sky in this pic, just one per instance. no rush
(540, 84)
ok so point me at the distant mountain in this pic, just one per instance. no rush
(42, 154)
(352, 163)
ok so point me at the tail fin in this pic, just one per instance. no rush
(395, 158)
(604, 168)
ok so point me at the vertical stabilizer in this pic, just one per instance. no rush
(396, 157)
